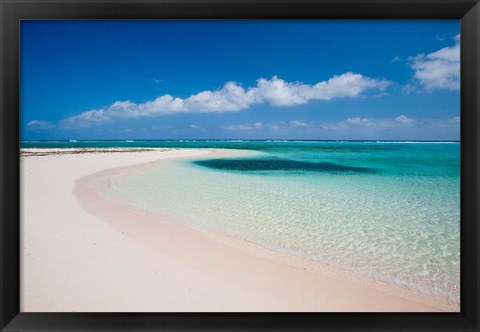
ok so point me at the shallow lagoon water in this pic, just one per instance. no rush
(390, 211)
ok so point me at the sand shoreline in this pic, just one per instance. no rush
(188, 269)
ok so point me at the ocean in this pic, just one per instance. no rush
(388, 210)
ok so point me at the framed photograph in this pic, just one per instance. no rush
(200, 165)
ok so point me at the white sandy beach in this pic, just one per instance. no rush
(80, 252)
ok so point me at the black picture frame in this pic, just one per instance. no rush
(12, 11)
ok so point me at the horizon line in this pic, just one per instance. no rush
(72, 140)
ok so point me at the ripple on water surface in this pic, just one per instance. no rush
(367, 212)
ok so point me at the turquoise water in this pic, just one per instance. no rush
(390, 210)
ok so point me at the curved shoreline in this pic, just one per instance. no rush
(81, 252)
(407, 300)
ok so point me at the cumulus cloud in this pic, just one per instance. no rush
(298, 123)
(258, 125)
(404, 120)
(280, 93)
(253, 126)
(349, 123)
(40, 125)
(359, 122)
(233, 97)
(245, 126)
(401, 121)
(366, 122)
(440, 69)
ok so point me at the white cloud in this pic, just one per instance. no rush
(366, 122)
(232, 97)
(401, 121)
(194, 126)
(40, 125)
(349, 85)
(359, 121)
(239, 127)
(253, 126)
(405, 120)
(408, 88)
(396, 59)
(272, 126)
(334, 126)
(440, 69)
(298, 123)
(257, 125)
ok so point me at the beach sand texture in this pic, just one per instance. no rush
(81, 252)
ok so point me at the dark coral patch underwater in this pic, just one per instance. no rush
(277, 164)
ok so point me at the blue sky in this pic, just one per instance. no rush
(240, 79)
